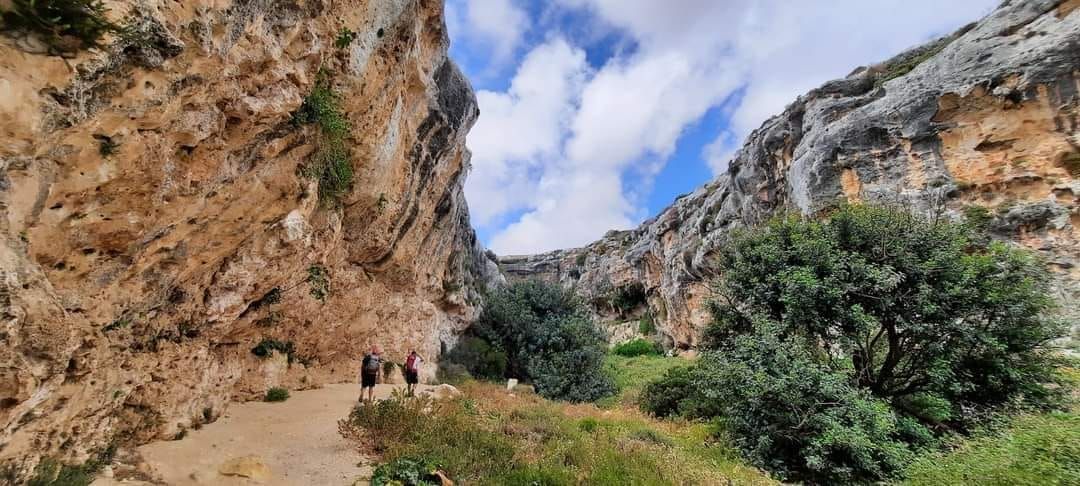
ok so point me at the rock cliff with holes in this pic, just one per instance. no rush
(164, 248)
(989, 117)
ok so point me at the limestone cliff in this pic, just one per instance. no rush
(987, 116)
(159, 222)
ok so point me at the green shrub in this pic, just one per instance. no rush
(646, 325)
(331, 164)
(319, 281)
(453, 373)
(548, 338)
(277, 394)
(637, 347)
(106, 145)
(670, 395)
(344, 38)
(406, 471)
(837, 344)
(65, 25)
(50, 472)
(580, 259)
(588, 424)
(479, 358)
(267, 346)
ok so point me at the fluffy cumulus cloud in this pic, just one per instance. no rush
(553, 150)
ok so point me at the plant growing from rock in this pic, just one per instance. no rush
(344, 38)
(267, 346)
(64, 25)
(319, 280)
(331, 164)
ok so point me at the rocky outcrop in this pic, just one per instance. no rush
(162, 247)
(986, 117)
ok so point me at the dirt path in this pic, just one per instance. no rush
(297, 439)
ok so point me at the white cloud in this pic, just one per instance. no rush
(557, 144)
(497, 25)
(522, 129)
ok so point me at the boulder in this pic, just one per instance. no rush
(251, 467)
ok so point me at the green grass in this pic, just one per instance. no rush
(631, 374)
(491, 438)
(1033, 450)
(50, 472)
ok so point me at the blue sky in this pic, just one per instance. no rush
(596, 114)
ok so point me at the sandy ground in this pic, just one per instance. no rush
(297, 439)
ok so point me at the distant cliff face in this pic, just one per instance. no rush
(160, 223)
(987, 117)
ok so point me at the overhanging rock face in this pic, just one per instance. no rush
(987, 116)
(160, 222)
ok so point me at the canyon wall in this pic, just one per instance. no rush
(160, 222)
(985, 117)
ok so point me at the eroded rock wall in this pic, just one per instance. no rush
(987, 117)
(158, 223)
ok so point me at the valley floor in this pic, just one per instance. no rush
(297, 439)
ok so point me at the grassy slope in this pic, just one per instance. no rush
(492, 437)
(1032, 450)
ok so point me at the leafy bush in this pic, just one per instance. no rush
(794, 416)
(331, 165)
(637, 347)
(646, 325)
(836, 343)
(569, 365)
(916, 306)
(406, 471)
(267, 346)
(478, 357)
(319, 280)
(670, 395)
(49, 472)
(65, 25)
(548, 338)
(277, 394)
(453, 373)
(345, 37)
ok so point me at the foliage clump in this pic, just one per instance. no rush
(647, 324)
(344, 38)
(64, 25)
(277, 394)
(481, 359)
(547, 338)
(50, 472)
(637, 347)
(319, 280)
(841, 348)
(267, 346)
(406, 471)
(331, 164)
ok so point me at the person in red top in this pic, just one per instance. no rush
(412, 370)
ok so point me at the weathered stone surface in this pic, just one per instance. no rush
(136, 283)
(987, 117)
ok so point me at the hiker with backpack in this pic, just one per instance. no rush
(412, 370)
(369, 373)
